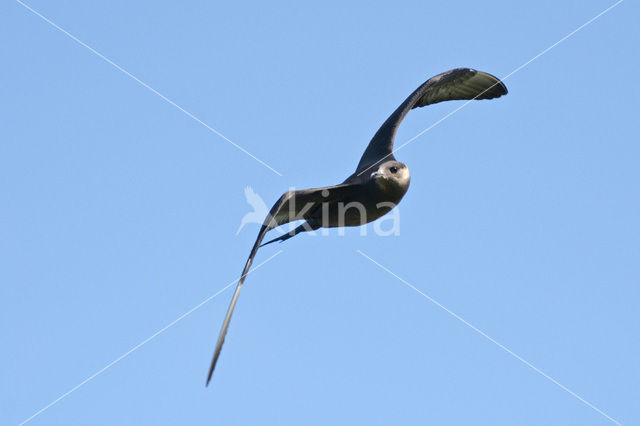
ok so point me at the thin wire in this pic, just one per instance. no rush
(491, 339)
(145, 85)
(139, 345)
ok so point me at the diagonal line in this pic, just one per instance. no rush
(145, 85)
(503, 79)
(500, 345)
(514, 71)
(139, 345)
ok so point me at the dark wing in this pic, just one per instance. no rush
(456, 84)
(292, 205)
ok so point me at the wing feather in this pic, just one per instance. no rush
(291, 206)
(456, 84)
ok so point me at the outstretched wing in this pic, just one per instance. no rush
(292, 205)
(456, 84)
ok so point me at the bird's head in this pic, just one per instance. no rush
(392, 176)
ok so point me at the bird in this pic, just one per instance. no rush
(260, 209)
(377, 185)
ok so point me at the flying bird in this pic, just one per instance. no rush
(377, 185)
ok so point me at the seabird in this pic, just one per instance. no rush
(377, 185)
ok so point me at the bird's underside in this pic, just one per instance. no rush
(379, 182)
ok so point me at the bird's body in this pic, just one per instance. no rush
(360, 199)
(377, 185)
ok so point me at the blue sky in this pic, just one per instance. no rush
(119, 214)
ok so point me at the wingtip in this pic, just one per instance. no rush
(502, 86)
(496, 90)
(210, 373)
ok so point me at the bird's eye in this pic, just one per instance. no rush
(393, 169)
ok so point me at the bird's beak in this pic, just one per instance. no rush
(375, 175)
